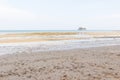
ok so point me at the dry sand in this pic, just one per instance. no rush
(101, 63)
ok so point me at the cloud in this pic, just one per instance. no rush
(108, 21)
(107, 17)
(11, 14)
(3, 1)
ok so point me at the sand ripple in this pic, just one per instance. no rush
(87, 64)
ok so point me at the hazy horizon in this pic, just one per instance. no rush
(59, 15)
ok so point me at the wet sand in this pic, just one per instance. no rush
(55, 36)
(102, 63)
(104, 34)
(37, 37)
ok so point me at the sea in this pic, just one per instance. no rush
(19, 31)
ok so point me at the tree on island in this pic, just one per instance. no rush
(81, 28)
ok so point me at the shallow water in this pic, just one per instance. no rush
(37, 42)
(34, 47)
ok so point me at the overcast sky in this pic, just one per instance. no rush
(59, 14)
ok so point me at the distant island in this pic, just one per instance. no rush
(82, 28)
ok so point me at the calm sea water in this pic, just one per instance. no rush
(19, 31)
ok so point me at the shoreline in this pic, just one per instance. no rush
(86, 64)
(55, 36)
(34, 47)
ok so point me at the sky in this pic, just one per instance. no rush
(59, 14)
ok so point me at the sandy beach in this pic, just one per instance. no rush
(59, 39)
(102, 63)
(60, 56)
(104, 34)
(53, 36)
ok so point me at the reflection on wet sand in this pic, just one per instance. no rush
(55, 36)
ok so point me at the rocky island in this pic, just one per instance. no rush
(81, 28)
